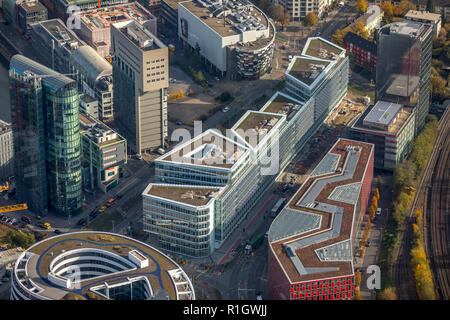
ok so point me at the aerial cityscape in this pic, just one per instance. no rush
(224, 150)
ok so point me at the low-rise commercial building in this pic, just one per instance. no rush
(390, 127)
(364, 52)
(321, 74)
(95, 24)
(433, 19)
(6, 151)
(89, 105)
(104, 152)
(236, 39)
(312, 240)
(94, 76)
(30, 12)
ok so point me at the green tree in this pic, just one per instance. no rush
(360, 29)
(431, 7)
(311, 20)
(361, 5)
(338, 36)
(264, 5)
(404, 175)
(405, 6)
(388, 294)
(17, 238)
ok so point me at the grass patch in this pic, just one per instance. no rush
(357, 90)
(104, 221)
(3, 232)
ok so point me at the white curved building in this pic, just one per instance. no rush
(100, 266)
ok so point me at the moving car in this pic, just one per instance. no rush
(378, 212)
(226, 109)
(82, 222)
(26, 219)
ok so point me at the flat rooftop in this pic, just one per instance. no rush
(307, 70)
(407, 27)
(312, 237)
(4, 127)
(173, 3)
(283, 104)
(32, 6)
(322, 49)
(44, 252)
(383, 113)
(425, 15)
(253, 126)
(402, 115)
(210, 149)
(140, 37)
(103, 17)
(90, 127)
(58, 30)
(233, 18)
(194, 196)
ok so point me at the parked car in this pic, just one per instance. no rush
(82, 222)
(138, 156)
(368, 243)
(26, 219)
(178, 123)
(226, 109)
(57, 231)
(378, 212)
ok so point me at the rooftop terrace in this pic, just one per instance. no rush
(208, 149)
(254, 126)
(321, 48)
(103, 17)
(283, 104)
(307, 70)
(194, 196)
(228, 19)
(40, 257)
(312, 236)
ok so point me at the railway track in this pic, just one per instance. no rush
(403, 275)
(438, 215)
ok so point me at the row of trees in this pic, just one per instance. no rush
(372, 211)
(406, 176)
(440, 78)
(419, 263)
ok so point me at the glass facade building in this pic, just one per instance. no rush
(404, 67)
(45, 116)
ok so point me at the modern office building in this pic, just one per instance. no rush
(141, 78)
(30, 12)
(364, 51)
(94, 77)
(434, 19)
(6, 151)
(236, 39)
(312, 240)
(390, 127)
(104, 153)
(299, 9)
(404, 66)
(320, 73)
(54, 43)
(93, 265)
(47, 152)
(228, 173)
(95, 24)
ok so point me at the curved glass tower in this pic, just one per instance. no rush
(52, 152)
